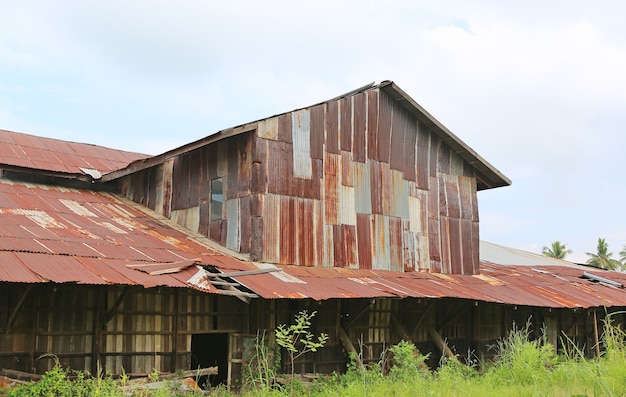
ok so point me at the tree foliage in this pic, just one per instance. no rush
(602, 258)
(556, 250)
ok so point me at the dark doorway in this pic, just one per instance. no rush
(210, 350)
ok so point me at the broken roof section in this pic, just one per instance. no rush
(63, 235)
(23, 151)
(487, 175)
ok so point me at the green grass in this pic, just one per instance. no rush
(522, 367)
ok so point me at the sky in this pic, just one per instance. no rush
(537, 88)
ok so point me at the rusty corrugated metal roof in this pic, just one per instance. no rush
(63, 235)
(54, 155)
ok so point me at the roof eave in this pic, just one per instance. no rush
(488, 176)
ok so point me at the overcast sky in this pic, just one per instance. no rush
(538, 88)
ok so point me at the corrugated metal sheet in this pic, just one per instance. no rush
(29, 151)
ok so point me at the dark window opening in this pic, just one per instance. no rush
(210, 350)
(217, 199)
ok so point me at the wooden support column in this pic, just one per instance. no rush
(347, 344)
(441, 344)
(400, 330)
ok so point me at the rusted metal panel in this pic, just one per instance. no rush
(260, 164)
(396, 261)
(189, 218)
(271, 228)
(376, 187)
(452, 202)
(318, 232)
(457, 265)
(329, 246)
(385, 115)
(244, 169)
(345, 123)
(288, 233)
(409, 250)
(359, 141)
(475, 248)
(444, 236)
(467, 247)
(386, 188)
(233, 224)
(398, 141)
(332, 175)
(399, 195)
(456, 164)
(339, 247)
(273, 175)
(332, 127)
(244, 223)
(351, 247)
(364, 240)
(433, 155)
(305, 225)
(380, 242)
(466, 188)
(443, 159)
(434, 245)
(268, 128)
(317, 131)
(301, 131)
(347, 167)
(284, 128)
(347, 212)
(363, 193)
(372, 124)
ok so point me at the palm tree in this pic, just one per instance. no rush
(622, 255)
(603, 259)
(556, 250)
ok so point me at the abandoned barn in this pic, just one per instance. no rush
(362, 208)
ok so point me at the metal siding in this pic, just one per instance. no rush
(332, 127)
(372, 124)
(345, 124)
(467, 246)
(287, 230)
(339, 247)
(301, 131)
(317, 131)
(285, 128)
(233, 224)
(396, 262)
(331, 188)
(347, 211)
(434, 245)
(385, 114)
(363, 194)
(347, 169)
(274, 176)
(329, 246)
(364, 240)
(349, 239)
(259, 177)
(268, 128)
(359, 143)
(375, 172)
(451, 184)
(457, 265)
(271, 228)
(399, 195)
(380, 242)
(397, 160)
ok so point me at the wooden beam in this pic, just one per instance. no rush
(441, 344)
(347, 344)
(18, 306)
(111, 312)
(400, 328)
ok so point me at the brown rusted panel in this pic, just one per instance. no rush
(332, 127)
(386, 185)
(399, 132)
(457, 266)
(315, 184)
(284, 128)
(359, 141)
(232, 189)
(364, 240)
(423, 160)
(372, 125)
(245, 224)
(288, 234)
(376, 184)
(468, 169)
(408, 247)
(435, 142)
(475, 248)
(306, 232)
(195, 177)
(434, 245)
(346, 169)
(467, 246)
(287, 183)
(443, 200)
(331, 188)
(339, 247)
(318, 232)
(433, 198)
(317, 131)
(152, 188)
(465, 195)
(395, 244)
(410, 150)
(274, 178)
(452, 196)
(245, 164)
(215, 230)
(259, 183)
(271, 228)
(203, 227)
(223, 231)
(211, 161)
(345, 124)
(178, 184)
(256, 205)
(385, 114)
(444, 235)
(443, 160)
(256, 239)
(349, 238)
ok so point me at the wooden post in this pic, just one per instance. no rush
(441, 344)
(595, 333)
(347, 344)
